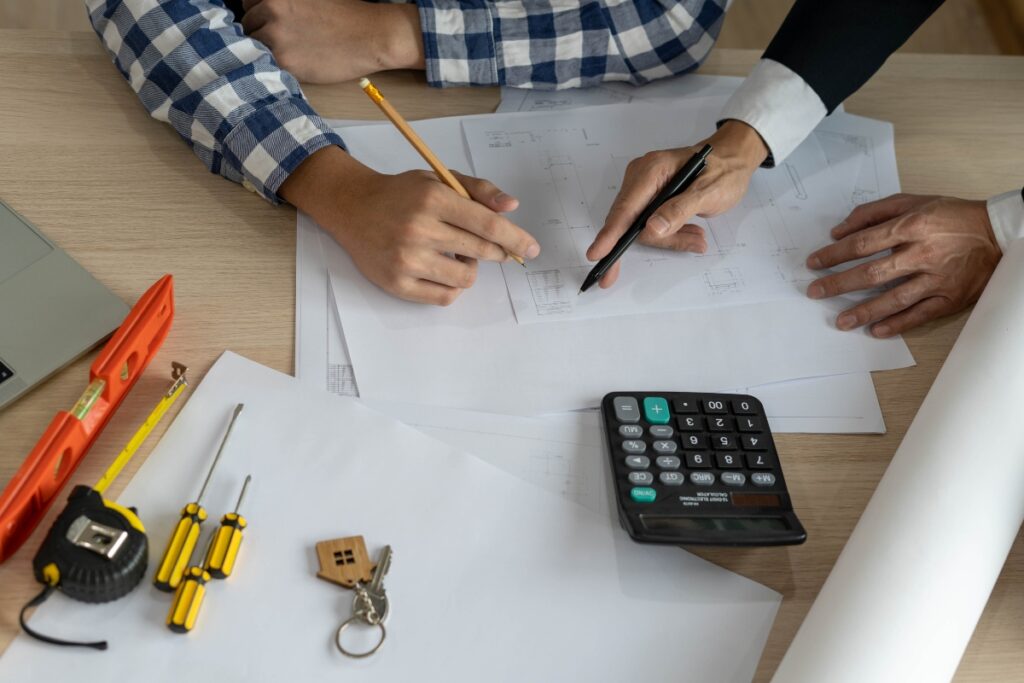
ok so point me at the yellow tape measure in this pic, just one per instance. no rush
(97, 550)
(180, 384)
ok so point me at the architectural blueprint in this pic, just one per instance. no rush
(866, 145)
(570, 168)
(830, 404)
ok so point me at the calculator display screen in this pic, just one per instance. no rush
(662, 523)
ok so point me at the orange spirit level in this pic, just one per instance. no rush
(68, 438)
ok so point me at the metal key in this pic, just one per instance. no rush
(375, 589)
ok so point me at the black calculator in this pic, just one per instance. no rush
(697, 469)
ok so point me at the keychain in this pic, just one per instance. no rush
(345, 561)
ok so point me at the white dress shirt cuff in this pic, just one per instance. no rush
(779, 105)
(1006, 212)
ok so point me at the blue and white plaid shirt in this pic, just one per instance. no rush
(247, 119)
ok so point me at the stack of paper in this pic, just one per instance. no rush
(452, 357)
(511, 331)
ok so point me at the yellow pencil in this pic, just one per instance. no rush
(417, 142)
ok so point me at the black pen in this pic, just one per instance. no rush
(683, 178)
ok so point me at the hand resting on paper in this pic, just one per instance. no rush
(329, 41)
(401, 230)
(943, 249)
(737, 152)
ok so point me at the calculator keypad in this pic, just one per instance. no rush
(714, 435)
(695, 455)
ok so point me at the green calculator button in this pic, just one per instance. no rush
(642, 494)
(656, 410)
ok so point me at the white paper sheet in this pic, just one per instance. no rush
(569, 167)
(908, 589)
(564, 454)
(865, 144)
(492, 579)
(824, 405)
(470, 356)
(836, 404)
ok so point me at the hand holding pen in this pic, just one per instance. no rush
(677, 184)
(738, 152)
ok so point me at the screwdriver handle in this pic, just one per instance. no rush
(223, 550)
(187, 600)
(179, 549)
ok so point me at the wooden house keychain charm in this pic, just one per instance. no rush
(344, 561)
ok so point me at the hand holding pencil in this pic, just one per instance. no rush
(402, 230)
(446, 176)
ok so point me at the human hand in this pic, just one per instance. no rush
(402, 230)
(943, 247)
(737, 152)
(328, 41)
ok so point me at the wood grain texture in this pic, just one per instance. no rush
(958, 27)
(82, 160)
(1006, 19)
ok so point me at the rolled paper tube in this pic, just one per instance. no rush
(908, 589)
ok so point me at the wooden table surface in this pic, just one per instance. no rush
(122, 194)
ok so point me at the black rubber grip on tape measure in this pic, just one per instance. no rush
(84, 574)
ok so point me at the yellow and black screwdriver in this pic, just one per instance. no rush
(219, 563)
(186, 534)
(223, 550)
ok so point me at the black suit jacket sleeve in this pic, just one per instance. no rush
(837, 45)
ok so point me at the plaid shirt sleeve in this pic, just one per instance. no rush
(548, 44)
(193, 68)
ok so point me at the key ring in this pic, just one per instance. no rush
(359, 655)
